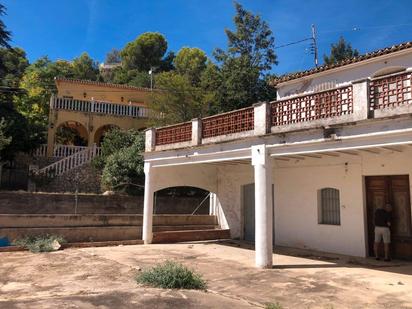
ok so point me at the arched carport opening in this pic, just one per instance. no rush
(182, 200)
(71, 133)
(101, 132)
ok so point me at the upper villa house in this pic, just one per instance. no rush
(89, 109)
(307, 170)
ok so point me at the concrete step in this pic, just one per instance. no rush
(68, 220)
(95, 233)
(190, 235)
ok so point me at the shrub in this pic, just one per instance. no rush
(42, 243)
(273, 306)
(171, 275)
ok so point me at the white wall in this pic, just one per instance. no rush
(196, 175)
(296, 205)
(296, 185)
(343, 75)
(296, 198)
(231, 178)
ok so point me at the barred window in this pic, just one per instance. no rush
(329, 206)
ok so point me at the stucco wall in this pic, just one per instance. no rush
(344, 75)
(296, 205)
(103, 92)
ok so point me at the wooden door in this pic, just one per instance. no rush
(395, 191)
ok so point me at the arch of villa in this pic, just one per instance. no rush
(71, 133)
(101, 131)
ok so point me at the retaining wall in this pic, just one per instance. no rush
(59, 203)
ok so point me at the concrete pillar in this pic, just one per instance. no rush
(196, 132)
(150, 139)
(148, 205)
(360, 94)
(263, 206)
(261, 118)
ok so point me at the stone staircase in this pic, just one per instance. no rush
(111, 227)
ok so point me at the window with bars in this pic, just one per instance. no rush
(329, 206)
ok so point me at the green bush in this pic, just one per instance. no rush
(171, 275)
(273, 306)
(42, 243)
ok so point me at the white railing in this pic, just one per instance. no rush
(60, 151)
(40, 152)
(99, 107)
(68, 163)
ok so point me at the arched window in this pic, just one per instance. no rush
(329, 206)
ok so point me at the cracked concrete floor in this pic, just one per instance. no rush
(104, 278)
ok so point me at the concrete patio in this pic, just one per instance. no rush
(104, 278)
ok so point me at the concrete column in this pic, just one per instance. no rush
(360, 94)
(150, 139)
(263, 206)
(148, 205)
(196, 132)
(261, 118)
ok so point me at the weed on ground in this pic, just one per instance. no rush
(171, 275)
(41, 243)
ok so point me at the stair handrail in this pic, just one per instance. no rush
(68, 163)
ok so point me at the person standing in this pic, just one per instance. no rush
(382, 230)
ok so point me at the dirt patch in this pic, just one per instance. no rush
(104, 278)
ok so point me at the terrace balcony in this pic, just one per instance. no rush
(99, 107)
(371, 98)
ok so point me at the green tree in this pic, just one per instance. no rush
(4, 140)
(24, 136)
(113, 57)
(245, 64)
(121, 161)
(176, 99)
(85, 67)
(252, 40)
(5, 35)
(13, 63)
(340, 51)
(145, 52)
(38, 82)
(191, 62)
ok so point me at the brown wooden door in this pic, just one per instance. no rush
(395, 191)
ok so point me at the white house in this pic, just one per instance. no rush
(307, 170)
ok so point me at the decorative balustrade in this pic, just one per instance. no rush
(100, 107)
(241, 120)
(341, 105)
(68, 163)
(315, 106)
(390, 91)
(174, 134)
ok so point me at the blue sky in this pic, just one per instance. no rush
(63, 29)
